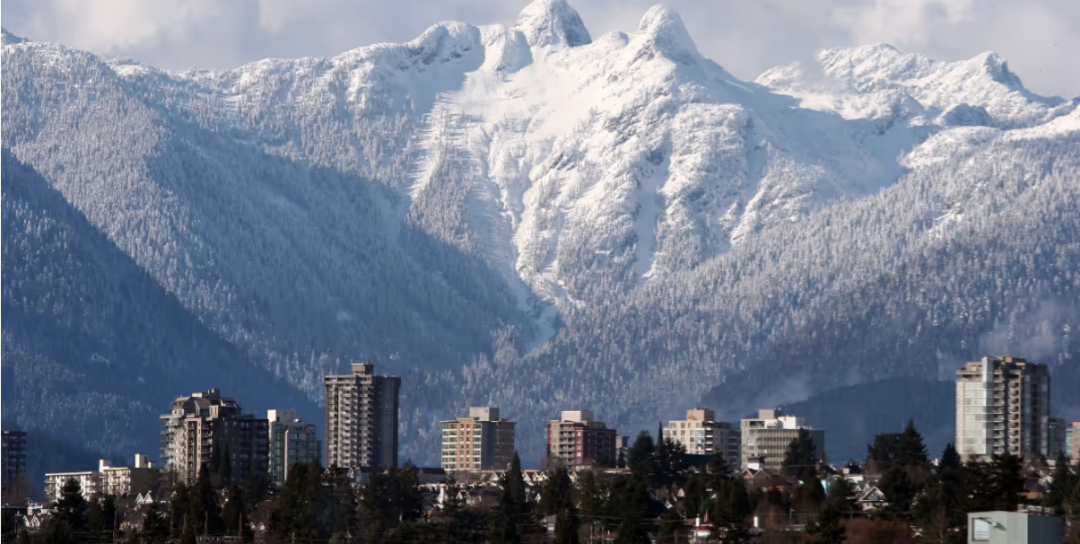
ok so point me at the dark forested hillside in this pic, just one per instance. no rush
(93, 348)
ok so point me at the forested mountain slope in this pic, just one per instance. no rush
(93, 346)
(537, 218)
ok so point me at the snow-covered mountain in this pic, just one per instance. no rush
(488, 201)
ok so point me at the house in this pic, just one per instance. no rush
(870, 498)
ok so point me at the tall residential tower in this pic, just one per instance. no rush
(701, 434)
(291, 441)
(1003, 407)
(204, 422)
(577, 441)
(362, 418)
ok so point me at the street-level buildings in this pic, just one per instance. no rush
(201, 423)
(362, 418)
(481, 441)
(701, 434)
(14, 458)
(108, 480)
(291, 441)
(1003, 407)
(578, 441)
(765, 438)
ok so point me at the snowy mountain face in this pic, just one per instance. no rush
(484, 201)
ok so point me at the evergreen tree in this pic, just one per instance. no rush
(899, 492)
(671, 526)
(453, 501)
(910, 449)
(950, 458)
(842, 496)
(800, 458)
(1057, 494)
(826, 529)
(204, 513)
(640, 459)
(718, 465)
(255, 488)
(188, 535)
(71, 510)
(234, 514)
(1007, 481)
(59, 531)
(224, 475)
(567, 525)
(590, 496)
(178, 510)
(670, 462)
(881, 455)
(620, 462)
(155, 528)
(555, 494)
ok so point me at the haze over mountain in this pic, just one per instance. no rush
(530, 217)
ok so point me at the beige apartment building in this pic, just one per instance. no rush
(701, 434)
(578, 441)
(481, 441)
(1003, 407)
(362, 418)
(765, 438)
(201, 422)
(108, 480)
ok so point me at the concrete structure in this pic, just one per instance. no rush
(1056, 429)
(1003, 407)
(14, 459)
(1072, 441)
(622, 447)
(701, 434)
(766, 438)
(108, 480)
(576, 441)
(200, 423)
(291, 441)
(999, 527)
(481, 441)
(89, 484)
(362, 418)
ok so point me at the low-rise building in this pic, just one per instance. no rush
(108, 480)
(291, 441)
(481, 441)
(701, 434)
(765, 438)
(1001, 527)
(578, 441)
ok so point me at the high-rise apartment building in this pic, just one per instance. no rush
(291, 441)
(201, 423)
(1003, 407)
(362, 418)
(1056, 429)
(14, 459)
(765, 438)
(577, 441)
(481, 441)
(1072, 441)
(701, 434)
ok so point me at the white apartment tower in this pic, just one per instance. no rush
(701, 434)
(362, 418)
(765, 438)
(1003, 407)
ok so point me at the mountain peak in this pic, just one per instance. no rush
(552, 22)
(9, 38)
(663, 29)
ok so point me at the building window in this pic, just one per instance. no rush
(980, 529)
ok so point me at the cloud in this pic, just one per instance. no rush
(1037, 36)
